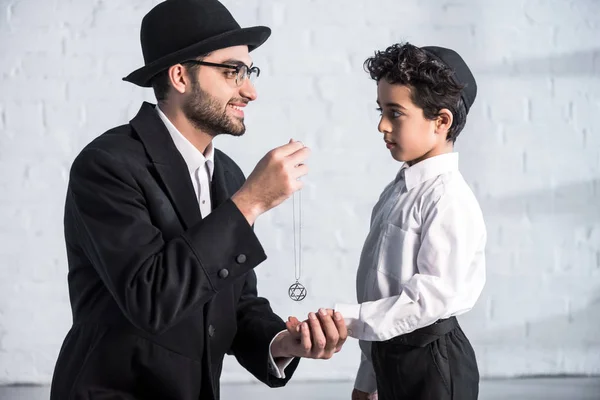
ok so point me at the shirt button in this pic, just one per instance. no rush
(211, 330)
(241, 259)
(203, 201)
(223, 273)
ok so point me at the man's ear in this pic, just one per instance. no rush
(179, 78)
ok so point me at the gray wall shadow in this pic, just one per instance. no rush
(580, 201)
(575, 330)
(574, 205)
(576, 63)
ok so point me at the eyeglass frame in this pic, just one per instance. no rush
(237, 68)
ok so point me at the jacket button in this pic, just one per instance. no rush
(223, 273)
(241, 259)
(211, 330)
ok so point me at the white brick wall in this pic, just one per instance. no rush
(531, 151)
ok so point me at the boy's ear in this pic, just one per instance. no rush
(444, 121)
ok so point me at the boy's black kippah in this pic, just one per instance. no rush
(462, 73)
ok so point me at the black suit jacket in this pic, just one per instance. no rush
(159, 295)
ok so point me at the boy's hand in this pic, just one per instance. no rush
(358, 395)
(325, 332)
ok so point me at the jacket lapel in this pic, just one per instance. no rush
(221, 188)
(168, 162)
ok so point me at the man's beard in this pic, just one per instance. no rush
(206, 114)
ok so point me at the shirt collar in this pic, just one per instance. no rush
(428, 169)
(193, 157)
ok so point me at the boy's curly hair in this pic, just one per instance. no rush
(432, 85)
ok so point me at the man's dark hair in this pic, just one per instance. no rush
(160, 82)
(431, 81)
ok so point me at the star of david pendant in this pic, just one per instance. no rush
(297, 291)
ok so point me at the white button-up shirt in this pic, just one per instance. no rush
(423, 259)
(201, 168)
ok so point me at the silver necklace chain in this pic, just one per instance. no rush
(298, 240)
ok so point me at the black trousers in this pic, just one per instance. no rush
(432, 363)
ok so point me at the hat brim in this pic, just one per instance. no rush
(253, 37)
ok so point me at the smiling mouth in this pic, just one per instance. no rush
(239, 108)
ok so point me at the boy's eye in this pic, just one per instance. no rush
(392, 113)
(231, 73)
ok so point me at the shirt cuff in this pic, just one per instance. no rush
(277, 368)
(351, 314)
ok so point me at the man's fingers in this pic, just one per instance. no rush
(331, 333)
(299, 156)
(293, 327)
(340, 324)
(317, 334)
(300, 171)
(305, 338)
(322, 335)
(288, 148)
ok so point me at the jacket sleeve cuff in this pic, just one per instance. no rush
(277, 368)
(225, 260)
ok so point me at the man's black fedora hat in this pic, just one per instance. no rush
(178, 30)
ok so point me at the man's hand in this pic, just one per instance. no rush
(320, 336)
(293, 324)
(274, 179)
(358, 395)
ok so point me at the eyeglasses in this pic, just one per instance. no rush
(239, 72)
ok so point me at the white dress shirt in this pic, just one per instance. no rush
(423, 259)
(201, 168)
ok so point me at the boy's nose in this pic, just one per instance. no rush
(384, 126)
